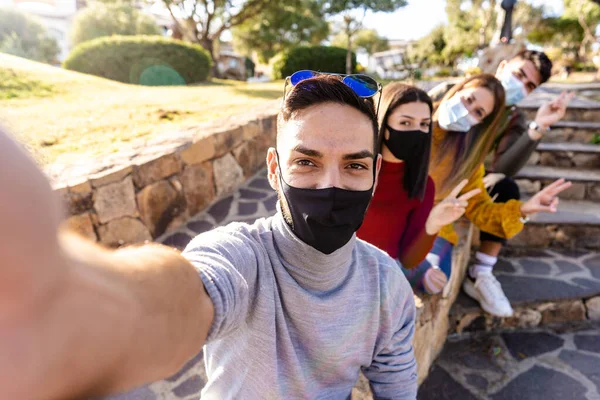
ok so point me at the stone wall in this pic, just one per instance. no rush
(140, 194)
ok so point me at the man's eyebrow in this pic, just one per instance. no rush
(308, 152)
(359, 155)
(407, 116)
(529, 80)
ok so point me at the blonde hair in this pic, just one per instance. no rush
(469, 149)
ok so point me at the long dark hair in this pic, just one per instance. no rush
(469, 149)
(416, 172)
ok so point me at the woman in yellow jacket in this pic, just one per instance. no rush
(465, 127)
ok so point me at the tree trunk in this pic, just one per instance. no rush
(209, 46)
(348, 21)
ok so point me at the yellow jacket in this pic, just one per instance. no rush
(499, 219)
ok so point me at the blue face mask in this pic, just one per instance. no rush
(454, 116)
(514, 88)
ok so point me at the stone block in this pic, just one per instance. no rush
(228, 174)
(269, 127)
(81, 188)
(556, 159)
(534, 159)
(122, 231)
(199, 151)
(227, 140)
(81, 224)
(582, 160)
(250, 156)
(533, 236)
(593, 308)
(158, 204)
(527, 186)
(80, 202)
(563, 312)
(198, 186)
(524, 318)
(115, 200)
(575, 192)
(251, 130)
(593, 192)
(110, 176)
(156, 169)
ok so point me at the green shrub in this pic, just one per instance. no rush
(101, 19)
(142, 60)
(24, 36)
(443, 72)
(316, 58)
(596, 139)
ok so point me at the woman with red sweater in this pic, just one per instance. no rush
(401, 219)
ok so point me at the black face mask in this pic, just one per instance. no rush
(413, 148)
(326, 219)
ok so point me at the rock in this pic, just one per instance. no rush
(251, 130)
(527, 318)
(122, 231)
(593, 308)
(82, 224)
(81, 188)
(583, 160)
(556, 159)
(534, 159)
(111, 176)
(156, 169)
(575, 192)
(533, 236)
(563, 312)
(527, 186)
(115, 200)
(228, 174)
(158, 205)
(593, 192)
(198, 152)
(227, 140)
(198, 186)
(251, 156)
(269, 126)
(79, 203)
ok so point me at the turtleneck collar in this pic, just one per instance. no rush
(308, 266)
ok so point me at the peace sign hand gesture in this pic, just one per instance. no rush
(545, 200)
(450, 209)
(553, 111)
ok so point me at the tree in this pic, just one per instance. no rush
(428, 50)
(587, 15)
(23, 36)
(279, 28)
(107, 19)
(204, 21)
(367, 40)
(352, 25)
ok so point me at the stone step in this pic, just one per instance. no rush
(545, 287)
(580, 108)
(576, 224)
(572, 131)
(586, 182)
(567, 155)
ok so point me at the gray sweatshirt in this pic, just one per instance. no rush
(293, 323)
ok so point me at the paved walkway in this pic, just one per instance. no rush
(541, 365)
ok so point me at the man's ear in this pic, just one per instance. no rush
(272, 164)
(501, 67)
(378, 163)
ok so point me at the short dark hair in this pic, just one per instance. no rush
(325, 89)
(540, 60)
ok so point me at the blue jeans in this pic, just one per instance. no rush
(443, 249)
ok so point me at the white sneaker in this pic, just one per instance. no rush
(488, 292)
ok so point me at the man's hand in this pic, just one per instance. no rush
(552, 112)
(545, 200)
(450, 209)
(490, 180)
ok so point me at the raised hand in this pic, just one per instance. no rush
(450, 209)
(553, 111)
(545, 200)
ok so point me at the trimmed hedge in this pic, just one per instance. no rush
(316, 58)
(141, 60)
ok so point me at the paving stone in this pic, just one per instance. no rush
(567, 267)
(142, 393)
(504, 266)
(588, 343)
(521, 289)
(539, 383)
(221, 209)
(261, 183)
(178, 240)
(477, 353)
(200, 226)
(249, 194)
(587, 283)
(439, 385)
(535, 267)
(584, 363)
(270, 203)
(477, 381)
(247, 208)
(196, 361)
(593, 308)
(193, 385)
(530, 344)
(572, 253)
(594, 266)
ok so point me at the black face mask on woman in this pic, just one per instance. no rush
(413, 148)
(326, 219)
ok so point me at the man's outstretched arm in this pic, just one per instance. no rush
(77, 320)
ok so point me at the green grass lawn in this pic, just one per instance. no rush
(63, 116)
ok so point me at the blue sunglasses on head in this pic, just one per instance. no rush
(363, 85)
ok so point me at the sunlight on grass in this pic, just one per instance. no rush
(89, 116)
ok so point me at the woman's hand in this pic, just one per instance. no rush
(490, 180)
(450, 209)
(545, 200)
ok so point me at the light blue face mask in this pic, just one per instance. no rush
(514, 88)
(454, 116)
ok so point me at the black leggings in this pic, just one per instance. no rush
(506, 189)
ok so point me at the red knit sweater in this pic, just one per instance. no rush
(394, 222)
